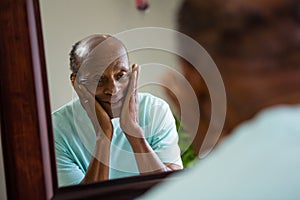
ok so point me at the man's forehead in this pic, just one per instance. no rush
(108, 50)
(121, 63)
(96, 65)
(104, 54)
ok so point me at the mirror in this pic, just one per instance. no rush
(62, 25)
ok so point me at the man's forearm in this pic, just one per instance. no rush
(146, 158)
(98, 169)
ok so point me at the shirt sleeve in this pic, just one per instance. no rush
(164, 136)
(68, 171)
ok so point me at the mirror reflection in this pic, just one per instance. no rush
(112, 116)
(111, 130)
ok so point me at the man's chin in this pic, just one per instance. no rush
(115, 113)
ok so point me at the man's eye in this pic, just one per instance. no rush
(98, 79)
(121, 75)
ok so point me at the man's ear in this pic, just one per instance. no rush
(72, 78)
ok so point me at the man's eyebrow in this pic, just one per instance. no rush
(118, 62)
(123, 68)
(122, 65)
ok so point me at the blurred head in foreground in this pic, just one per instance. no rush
(256, 47)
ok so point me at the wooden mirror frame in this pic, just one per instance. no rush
(26, 127)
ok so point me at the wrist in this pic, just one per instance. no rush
(100, 138)
(135, 133)
(102, 134)
(139, 145)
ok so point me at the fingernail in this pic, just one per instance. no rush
(135, 69)
(134, 66)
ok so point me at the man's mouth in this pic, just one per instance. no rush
(114, 103)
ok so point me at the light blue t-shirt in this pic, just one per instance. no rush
(75, 139)
(259, 161)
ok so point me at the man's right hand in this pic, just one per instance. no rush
(99, 117)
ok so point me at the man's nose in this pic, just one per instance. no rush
(111, 87)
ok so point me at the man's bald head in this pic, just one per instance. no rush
(82, 49)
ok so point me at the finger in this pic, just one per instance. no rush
(130, 87)
(134, 78)
(93, 108)
(78, 89)
(134, 67)
(88, 97)
(87, 100)
(135, 73)
(85, 93)
(136, 93)
(137, 69)
(85, 97)
(132, 105)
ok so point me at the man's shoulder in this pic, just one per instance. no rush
(154, 109)
(64, 113)
(278, 124)
(276, 119)
(63, 109)
(147, 99)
